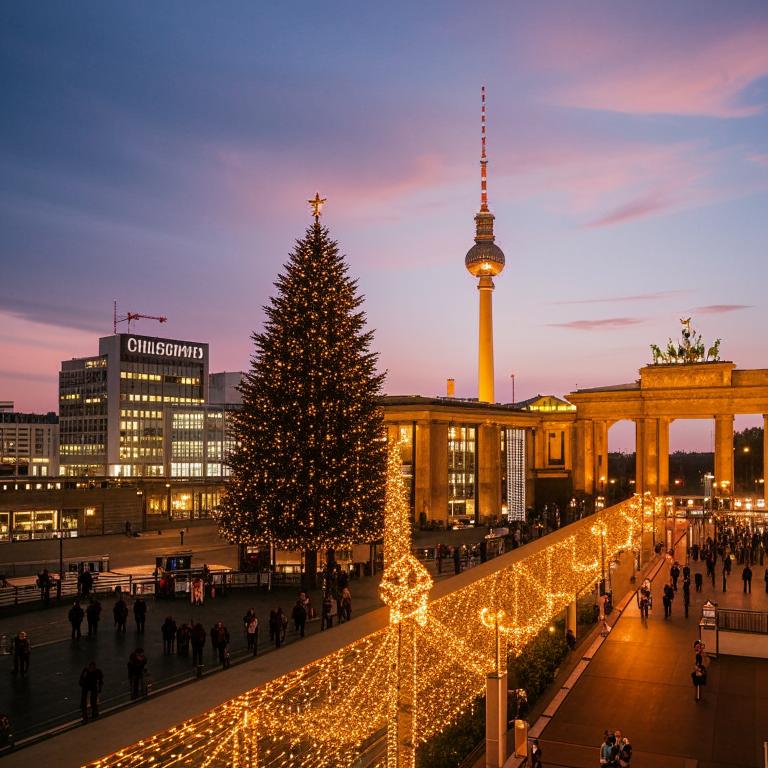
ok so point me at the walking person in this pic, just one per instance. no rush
(536, 754)
(686, 595)
(669, 595)
(197, 640)
(625, 753)
(299, 616)
(22, 650)
(746, 576)
(93, 616)
(85, 583)
(456, 560)
(326, 618)
(346, 604)
(252, 634)
(168, 630)
(606, 748)
(220, 641)
(137, 665)
(75, 616)
(44, 583)
(699, 678)
(120, 612)
(282, 625)
(140, 614)
(725, 578)
(698, 580)
(674, 572)
(183, 634)
(766, 581)
(91, 683)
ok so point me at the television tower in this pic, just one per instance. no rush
(484, 261)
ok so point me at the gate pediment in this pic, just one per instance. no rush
(686, 375)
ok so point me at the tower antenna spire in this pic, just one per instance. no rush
(483, 156)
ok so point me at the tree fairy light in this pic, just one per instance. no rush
(405, 683)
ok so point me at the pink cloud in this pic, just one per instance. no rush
(621, 299)
(32, 353)
(597, 325)
(718, 309)
(588, 178)
(656, 74)
(633, 210)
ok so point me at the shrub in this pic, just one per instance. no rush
(533, 670)
(455, 742)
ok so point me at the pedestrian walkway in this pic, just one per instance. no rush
(49, 695)
(640, 683)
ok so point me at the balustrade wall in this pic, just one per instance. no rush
(330, 712)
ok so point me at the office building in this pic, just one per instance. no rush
(113, 406)
(28, 443)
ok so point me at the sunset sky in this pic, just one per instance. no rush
(161, 154)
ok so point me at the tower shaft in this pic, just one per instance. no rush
(485, 382)
(484, 260)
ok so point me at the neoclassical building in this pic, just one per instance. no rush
(467, 460)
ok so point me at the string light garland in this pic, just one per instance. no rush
(347, 704)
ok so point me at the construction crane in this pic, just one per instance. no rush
(131, 316)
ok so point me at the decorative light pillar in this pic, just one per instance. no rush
(570, 616)
(496, 692)
(404, 588)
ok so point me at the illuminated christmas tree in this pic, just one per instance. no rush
(309, 468)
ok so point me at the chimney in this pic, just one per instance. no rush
(451, 388)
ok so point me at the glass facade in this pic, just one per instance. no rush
(462, 444)
(83, 416)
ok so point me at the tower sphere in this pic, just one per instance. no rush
(484, 258)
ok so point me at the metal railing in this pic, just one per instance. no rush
(730, 619)
(130, 584)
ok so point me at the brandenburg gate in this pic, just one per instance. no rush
(666, 390)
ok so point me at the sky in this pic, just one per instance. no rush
(161, 155)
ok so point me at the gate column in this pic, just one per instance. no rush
(583, 463)
(664, 456)
(647, 456)
(765, 459)
(724, 454)
(601, 456)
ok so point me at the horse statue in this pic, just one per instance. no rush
(672, 351)
(700, 349)
(713, 353)
(658, 355)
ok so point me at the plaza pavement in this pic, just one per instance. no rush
(81, 745)
(49, 695)
(639, 682)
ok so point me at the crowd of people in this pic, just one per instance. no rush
(179, 638)
(615, 750)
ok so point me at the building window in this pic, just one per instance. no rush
(556, 449)
(34, 524)
(461, 473)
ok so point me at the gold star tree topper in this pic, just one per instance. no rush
(317, 204)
